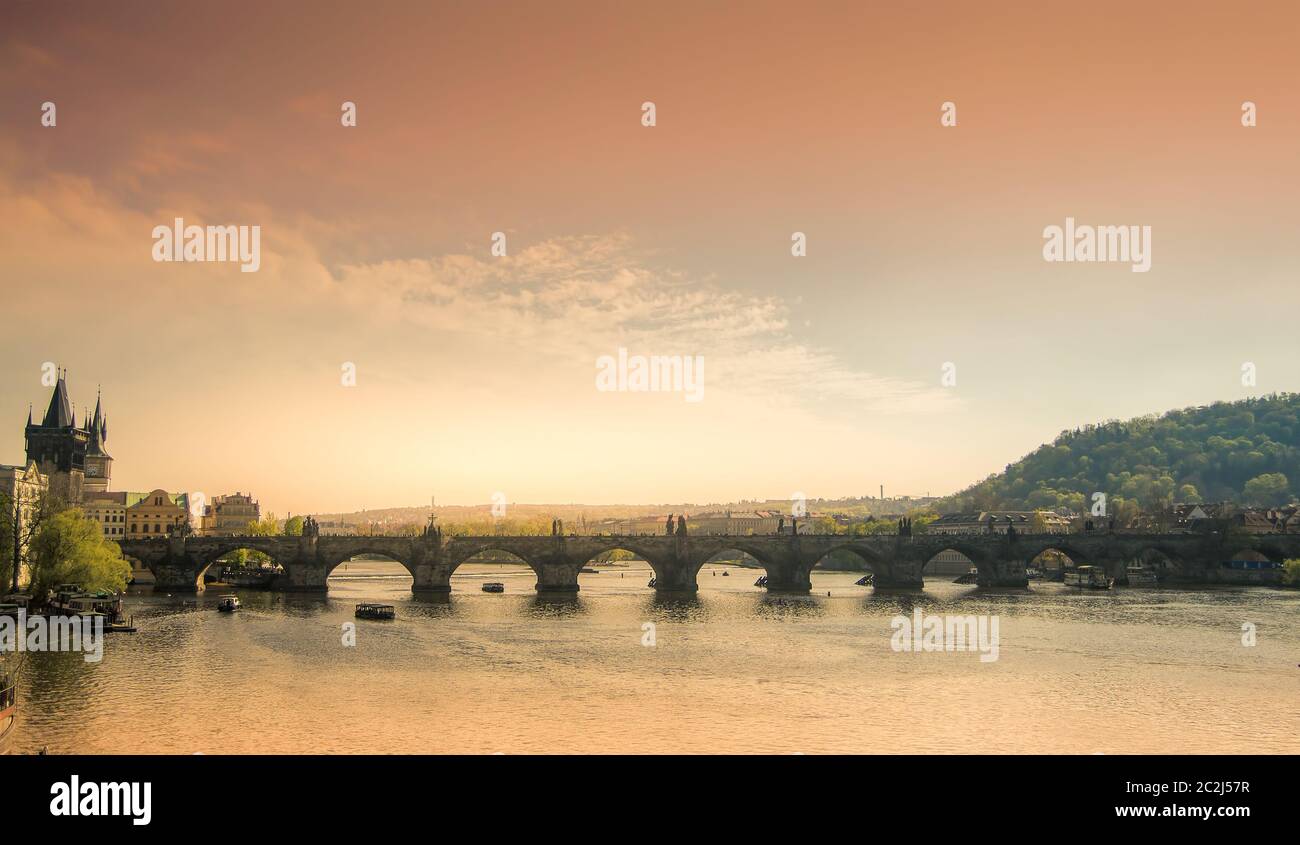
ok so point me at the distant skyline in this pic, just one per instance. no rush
(477, 373)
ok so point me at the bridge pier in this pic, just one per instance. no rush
(1006, 574)
(180, 577)
(302, 577)
(558, 577)
(431, 579)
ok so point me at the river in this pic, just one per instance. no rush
(732, 670)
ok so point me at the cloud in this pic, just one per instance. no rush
(575, 298)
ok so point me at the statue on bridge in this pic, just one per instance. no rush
(681, 526)
(669, 529)
(310, 527)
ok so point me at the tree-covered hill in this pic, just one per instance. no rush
(1246, 452)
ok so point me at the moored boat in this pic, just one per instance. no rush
(369, 610)
(1140, 576)
(970, 577)
(1089, 577)
(8, 705)
(494, 587)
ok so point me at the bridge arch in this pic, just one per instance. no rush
(210, 552)
(337, 559)
(876, 563)
(977, 556)
(467, 549)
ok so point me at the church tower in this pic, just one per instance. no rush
(99, 464)
(58, 446)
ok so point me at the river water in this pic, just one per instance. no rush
(732, 670)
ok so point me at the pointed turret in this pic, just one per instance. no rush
(59, 414)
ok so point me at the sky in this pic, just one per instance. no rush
(476, 373)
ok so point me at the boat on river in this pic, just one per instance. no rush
(865, 580)
(1140, 576)
(369, 610)
(494, 587)
(8, 705)
(1089, 578)
(229, 604)
(971, 577)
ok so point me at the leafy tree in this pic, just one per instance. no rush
(1291, 572)
(293, 526)
(1240, 452)
(1267, 489)
(17, 529)
(70, 548)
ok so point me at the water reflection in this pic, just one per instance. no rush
(554, 667)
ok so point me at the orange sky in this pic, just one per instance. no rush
(476, 374)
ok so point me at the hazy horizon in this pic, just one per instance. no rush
(476, 373)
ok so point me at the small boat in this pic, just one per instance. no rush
(725, 573)
(865, 580)
(8, 705)
(1033, 573)
(494, 587)
(653, 581)
(1089, 577)
(1140, 576)
(368, 610)
(761, 582)
(228, 604)
(250, 577)
(971, 577)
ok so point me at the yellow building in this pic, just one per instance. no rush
(156, 514)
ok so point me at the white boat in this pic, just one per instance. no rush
(1089, 577)
(1140, 576)
(228, 604)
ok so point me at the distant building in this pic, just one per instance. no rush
(22, 489)
(227, 516)
(998, 522)
(109, 510)
(156, 514)
(58, 446)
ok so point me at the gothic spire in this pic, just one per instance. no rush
(59, 414)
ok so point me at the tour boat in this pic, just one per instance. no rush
(1140, 576)
(250, 577)
(368, 610)
(228, 604)
(494, 587)
(1033, 572)
(971, 577)
(8, 706)
(1089, 577)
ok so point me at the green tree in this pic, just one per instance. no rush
(293, 526)
(71, 549)
(1271, 488)
(1291, 572)
(267, 526)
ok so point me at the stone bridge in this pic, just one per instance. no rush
(897, 561)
